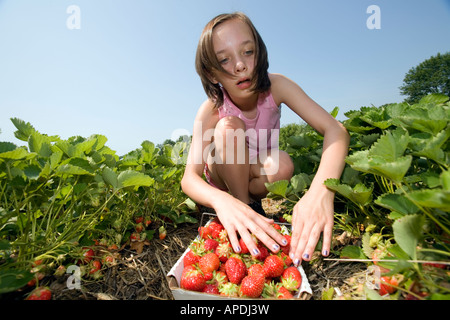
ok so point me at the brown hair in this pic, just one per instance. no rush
(206, 61)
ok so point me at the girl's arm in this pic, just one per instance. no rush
(235, 216)
(314, 213)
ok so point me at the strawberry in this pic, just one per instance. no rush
(286, 259)
(190, 258)
(273, 266)
(235, 269)
(283, 293)
(244, 249)
(88, 254)
(40, 293)
(252, 286)
(229, 289)
(192, 279)
(263, 252)
(388, 285)
(209, 262)
(223, 251)
(256, 269)
(291, 278)
(287, 247)
(210, 245)
(219, 278)
(215, 229)
(139, 227)
(211, 288)
(162, 233)
(138, 219)
(204, 232)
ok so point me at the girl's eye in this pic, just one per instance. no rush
(249, 52)
(223, 61)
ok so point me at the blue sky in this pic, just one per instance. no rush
(128, 72)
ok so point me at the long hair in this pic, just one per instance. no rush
(206, 61)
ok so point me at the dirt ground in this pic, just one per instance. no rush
(142, 276)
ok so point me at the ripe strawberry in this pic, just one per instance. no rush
(283, 293)
(192, 279)
(252, 286)
(210, 245)
(273, 266)
(139, 227)
(219, 278)
(204, 232)
(211, 288)
(256, 269)
(286, 259)
(229, 289)
(40, 293)
(276, 226)
(244, 249)
(291, 278)
(88, 254)
(223, 251)
(263, 252)
(209, 262)
(215, 229)
(190, 258)
(139, 219)
(287, 247)
(235, 269)
(386, 285)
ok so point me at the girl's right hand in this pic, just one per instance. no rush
(238, 218)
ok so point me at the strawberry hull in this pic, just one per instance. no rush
(174, 277)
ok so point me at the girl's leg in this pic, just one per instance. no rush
(228, 162)
(271, 168)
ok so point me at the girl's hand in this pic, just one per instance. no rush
(312, 215)
(238, 218)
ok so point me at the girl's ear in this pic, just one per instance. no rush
(212, 78)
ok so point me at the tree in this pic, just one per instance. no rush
(430, 76)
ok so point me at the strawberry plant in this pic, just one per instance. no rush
(394, 192)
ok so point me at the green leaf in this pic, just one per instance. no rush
(408, 232)
(397, 202)
(16, 154)
(24, 129)
(435, 98)
(278, 187)
(432, 198)
(110, 177)
(11, 280)
(352, 252)
(130, 178)
(360, 194)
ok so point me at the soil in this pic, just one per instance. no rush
(141, 274)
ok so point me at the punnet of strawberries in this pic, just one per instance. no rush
(211, 266)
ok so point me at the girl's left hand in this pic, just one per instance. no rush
(312, 215)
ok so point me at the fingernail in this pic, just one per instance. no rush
(325, 252)
(296, 262)
(237, 249)
(284, 242)
(256, 251)
(291, 256)
(306, 256)
(275, 247)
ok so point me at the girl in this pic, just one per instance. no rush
(233, 142)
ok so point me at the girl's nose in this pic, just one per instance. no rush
(240, 66)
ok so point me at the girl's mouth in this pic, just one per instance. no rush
(244, 83)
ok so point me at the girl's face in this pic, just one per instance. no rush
(234, 47)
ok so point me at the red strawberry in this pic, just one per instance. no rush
(283, 293)
(215, 229)
(211, 288)
(235, 269)
(229, 289)
(252, 286)
(162, 233)
(286, 259)
(204, 232)
(139, 227)
(276, 226)
(223, 251)
(388, 285)
(220, 277)
(210, 245)
(88, 254)
(263, 252)
(287, 247)
(190, 258)
(273, 266)
(291, 278)
(256, 269)
(209, 262)
(244, 249)
(192, 279)
(40, 293)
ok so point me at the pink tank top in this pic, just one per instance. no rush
(262, 132)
